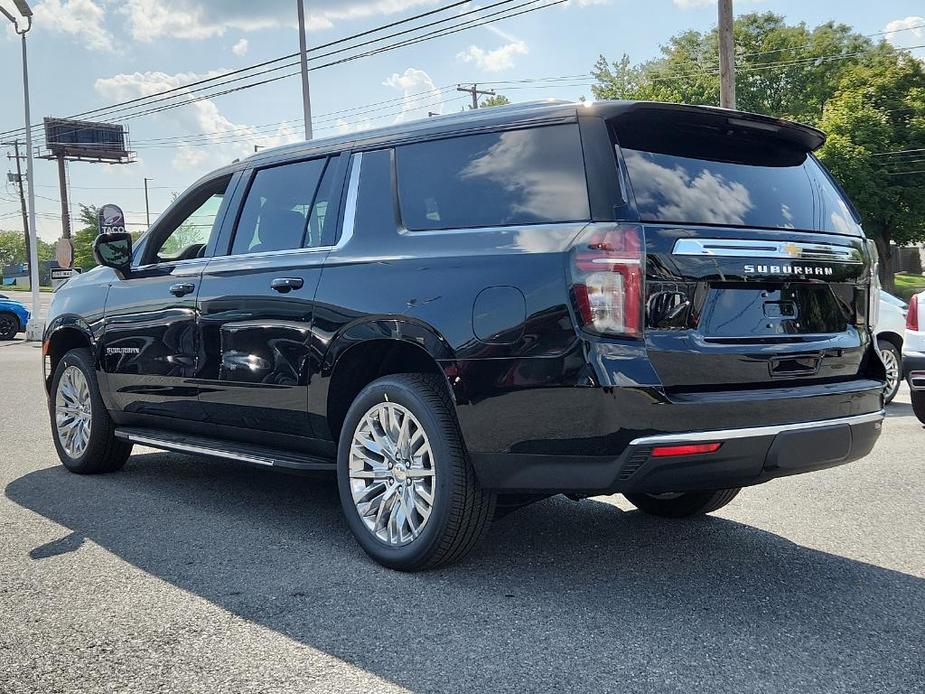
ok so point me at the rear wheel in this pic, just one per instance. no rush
(682, 504)
(83, 432)
(892, 360)
(9, 326)
(406, 485)
(918, 404)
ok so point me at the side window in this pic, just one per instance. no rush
(186, 233)
(375, 206)
(275, 213)
(320, 223)
(529, 176)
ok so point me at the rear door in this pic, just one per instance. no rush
(256, 300)
(757, 272)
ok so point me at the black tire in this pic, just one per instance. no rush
(682, 505)
(461, 511)
(918, 404)
(9, 325)
(104, 452)
(891, 388)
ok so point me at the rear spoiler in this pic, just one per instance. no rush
(804, 136)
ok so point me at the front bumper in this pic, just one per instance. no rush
(747, 456)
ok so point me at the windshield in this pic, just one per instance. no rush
(721, 178)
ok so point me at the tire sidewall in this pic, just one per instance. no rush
(14, 321)
(81, 359)
(399, 391)
(883, 345)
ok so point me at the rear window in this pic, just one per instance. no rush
(516, 177)
(696, 176)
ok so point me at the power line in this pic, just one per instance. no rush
(219, 80)
(446, 31)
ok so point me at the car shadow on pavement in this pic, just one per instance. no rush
(561, 595)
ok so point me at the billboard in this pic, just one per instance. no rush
(75, 139)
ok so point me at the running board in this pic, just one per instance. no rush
(230, 450)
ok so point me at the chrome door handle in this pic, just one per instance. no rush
(182, 289)
(284, 285)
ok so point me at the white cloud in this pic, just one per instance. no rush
(200, 19)
(240, 48)
(493, 60)
(419, 91)
(906, 35)
(83, 19)
(197, 119)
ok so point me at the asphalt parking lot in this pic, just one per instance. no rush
(181, 574)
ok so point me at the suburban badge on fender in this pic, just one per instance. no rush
(802, 270)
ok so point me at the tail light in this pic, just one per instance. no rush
(607, 267)
(912, 315)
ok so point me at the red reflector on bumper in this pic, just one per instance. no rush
(686, 449)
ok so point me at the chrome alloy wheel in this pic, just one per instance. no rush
(892, 370)
(392, 473)
(73, 413)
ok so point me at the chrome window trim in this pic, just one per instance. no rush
(264, 254)
(174, 263)
(350, 204)
(755, 248)
(749, 432)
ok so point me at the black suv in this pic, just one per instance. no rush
(465, 314)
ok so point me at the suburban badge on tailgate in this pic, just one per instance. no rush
(804, 270)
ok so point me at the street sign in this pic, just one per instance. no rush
(60, 275)
(64, 252)
(111, 219)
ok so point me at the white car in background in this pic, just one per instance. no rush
(913, 353)
(890, 330)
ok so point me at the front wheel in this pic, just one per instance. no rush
(918, 404)
(9, 326)
(406, 486)
(682, 504)
(81, 427)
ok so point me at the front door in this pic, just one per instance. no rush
(149, 344)
(256, 302)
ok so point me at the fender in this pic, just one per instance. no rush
(403, 328)
(392, 328)
(55, 330)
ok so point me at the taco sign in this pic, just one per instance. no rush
(111, 219)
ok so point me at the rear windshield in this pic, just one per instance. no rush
(700, 176)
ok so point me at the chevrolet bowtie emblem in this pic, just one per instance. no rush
(793, 250)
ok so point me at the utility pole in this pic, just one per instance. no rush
(65, 208)
(475, 92)
(35, 327)
(303, 61)
(22, 193)
(727, 67)
(147, 205)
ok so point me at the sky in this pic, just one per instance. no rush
(85, 54)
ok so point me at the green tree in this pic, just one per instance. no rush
(12, 248)
(83, 238)
(781, 70)
(494, 100)
(877, 110)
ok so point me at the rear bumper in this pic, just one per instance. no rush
(747, 456)
(914, 369)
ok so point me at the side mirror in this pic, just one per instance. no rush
(114, 250)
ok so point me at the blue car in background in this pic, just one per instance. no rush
(13, 317)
